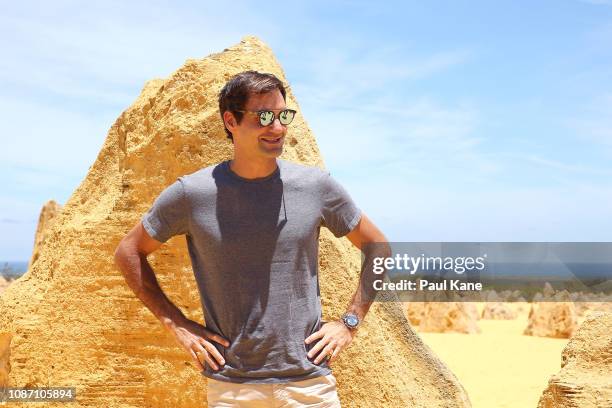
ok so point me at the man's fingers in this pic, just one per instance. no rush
(217, 338)
(201, 351)
(325, 353)
(334, 355)
(314, 336)
(212, 350)
(195, 358)
(317, 347)
(210, 362)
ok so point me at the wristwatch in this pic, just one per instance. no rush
(350, 320)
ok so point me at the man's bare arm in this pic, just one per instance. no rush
(334, 336)
(131, 259)
(366, 233)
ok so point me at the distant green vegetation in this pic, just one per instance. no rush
(13, 270)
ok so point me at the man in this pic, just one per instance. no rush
(252, 227)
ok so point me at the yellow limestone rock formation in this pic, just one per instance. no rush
(498, 311)
(75, 322)
(5, 359)
(446, 317)
(4, 283)
(586, 363)
(552, 319)
(45, 220)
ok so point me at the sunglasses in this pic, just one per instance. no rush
(266, 117)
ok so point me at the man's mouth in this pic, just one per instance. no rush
(272, 140)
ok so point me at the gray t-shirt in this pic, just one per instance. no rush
(253, 245)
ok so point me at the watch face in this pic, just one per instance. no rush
(352, 320)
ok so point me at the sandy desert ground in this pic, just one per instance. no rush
(500, 367)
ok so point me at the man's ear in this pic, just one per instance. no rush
(229, 119)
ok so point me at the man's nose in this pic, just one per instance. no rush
(276, 126)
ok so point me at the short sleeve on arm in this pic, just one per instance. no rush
(339, 213)
(169, 214)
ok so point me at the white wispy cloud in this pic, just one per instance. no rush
(416, 136)
(338, 75)
(567, 167)
(351, 96)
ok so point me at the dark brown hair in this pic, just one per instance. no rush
(235, 93)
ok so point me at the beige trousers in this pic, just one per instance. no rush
(318, 392)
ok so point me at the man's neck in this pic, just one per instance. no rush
(252, 169)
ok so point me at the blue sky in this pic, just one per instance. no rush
(446, 121)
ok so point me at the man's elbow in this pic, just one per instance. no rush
(385, 249)
(120, 256)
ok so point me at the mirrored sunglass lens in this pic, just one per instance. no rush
(266, 117)
(286, 117)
